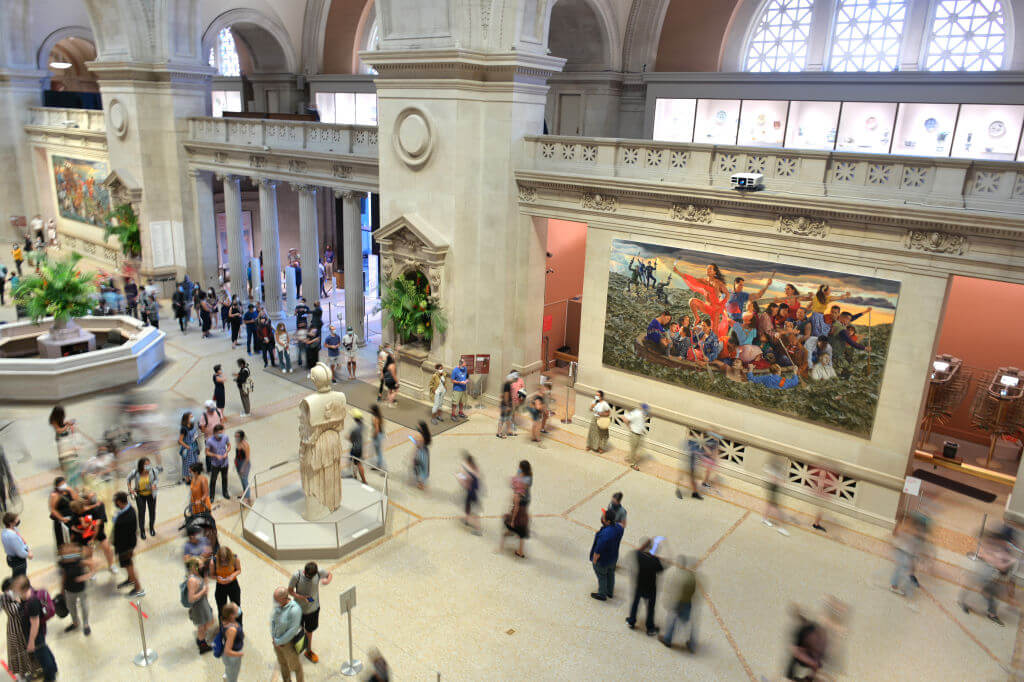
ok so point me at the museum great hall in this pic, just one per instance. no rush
(755, 264)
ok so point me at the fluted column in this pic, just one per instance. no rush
(352, 246)
(233, 225)
(309, 241)
(203, 230)
(271, 248)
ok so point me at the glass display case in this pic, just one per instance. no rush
(924, 129)
(812, 125)
(717, 121)
(866, 127)
(673, 119)
(988, 131)
(763, 123)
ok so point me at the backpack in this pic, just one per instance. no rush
(184, 593)
(49, 610)
(218, 644)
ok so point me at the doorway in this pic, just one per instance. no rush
(563, 293)
(570, 109)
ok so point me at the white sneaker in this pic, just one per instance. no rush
(767, 522)
(114, 570)
(783, 532)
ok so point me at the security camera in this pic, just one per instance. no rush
(749, 182)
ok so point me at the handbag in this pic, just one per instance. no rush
(60, 606)
(603, 423)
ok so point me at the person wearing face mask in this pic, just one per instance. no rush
(34, 625)
(243, 462)
(61, 498)
(18, 551)
(20, 663)
(142, 485)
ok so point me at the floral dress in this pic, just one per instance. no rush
(190, 453)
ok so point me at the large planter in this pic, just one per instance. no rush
(64, 338)
(414, 369)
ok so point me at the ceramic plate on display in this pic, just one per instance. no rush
(931, 124)
(761, 119)
(721, 116)
(871, 123)
(996, 129)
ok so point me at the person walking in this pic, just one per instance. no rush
(131, 296)
(648, 567)
(233, 637)
(694, 450)
(378, 436)
(19, 257)
(637, 420)
(179, 304)
(75, 573)
(125, 539)
(421, 456)
(382, 359)
(356, 437)
(469, 479)
(390, 378)
(20, 663)
(997, 562)
(60, 501)
(218, 445)
(188, 445)
(910, 543)
(243, 463)
(206, 307)
(682, 611)
(33, 622)
(348, 342)
(219, 399)
(212, 417)
(517, 520)
(460, 380)
(243, 379)
(505, 409)
(312, 344)
(17, 550)
(224, 304)
(281, 343)
(600, 421)
(153, 312)
(142, 485)
(235, 320)
(249, 320)
(225, 569)
(332, 342)
(604, 554)
(287, 635)
(304, 587)
(199, 611)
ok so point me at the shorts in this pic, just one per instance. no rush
(311, 621)
(350, 356)
(458, 398)
(333, 360)
(124, 559)
(389, 381)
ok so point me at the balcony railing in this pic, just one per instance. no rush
(55, 117)
(940, 183)
(323, 138)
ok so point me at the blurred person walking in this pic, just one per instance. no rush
(199, 611)
(421, 455)
(517, 520)
(600, 421)
(808, 650)
(775, 470)
(683, 611)
(604, 554)
(694, 450)
(637, 420)
(469, 479)
(997, 563)
(233, 639)
(378, 436)
(188, 446)
(648, 567)
(287, 634)
(356, 437)
(304, 587)
(17, 550)
(910, 543)
(243, 463)
(505, 409)
(142, 485)
(75, 573)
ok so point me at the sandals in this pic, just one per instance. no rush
(517, 554)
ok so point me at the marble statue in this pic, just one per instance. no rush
(321, 421)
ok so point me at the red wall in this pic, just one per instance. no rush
(983, 326)
(567, 244)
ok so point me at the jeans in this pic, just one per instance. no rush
(76, 601)
(250, 337)
(681, 614)
(243, 476)
(289, 661)
(605, 579)
(300, 354)
(901, 574)
(44, 657)
(141, 503)
(223, 473)
(232, 664)
(268, 352)
(650, 609)
(284, 359)
(378, 447)
(235, 328)
(19, 565)
(182, 323)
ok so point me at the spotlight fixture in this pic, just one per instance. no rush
(61, 65)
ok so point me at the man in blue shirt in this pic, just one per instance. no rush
(460, 379)
(657, 335)
(333, 344)
(285, 628)
(249, 318)
(604, 554)
(217, 447)
(738, 299)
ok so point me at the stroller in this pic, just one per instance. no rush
(206, 524)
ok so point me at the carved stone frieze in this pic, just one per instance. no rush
(220, 157)
(936, 242)
(691, 213)
(257, 161)
(803, 226)
(297, 166)
(528, 194)
(340, 171)
(599, 202)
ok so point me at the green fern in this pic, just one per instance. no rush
(416, 315)
(59, 289)
(124, 224)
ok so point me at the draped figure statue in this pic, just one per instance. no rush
(321, 421)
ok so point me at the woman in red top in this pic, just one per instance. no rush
(792, 299)
(709, 287)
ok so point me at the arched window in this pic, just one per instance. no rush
(224, 55)
(867, 35)
(967, 35)
(780, 37)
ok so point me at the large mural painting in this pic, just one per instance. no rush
(803, 342)
(80, 192)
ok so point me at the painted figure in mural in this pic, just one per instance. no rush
(321, 422)
(714, 292)
(635, 273)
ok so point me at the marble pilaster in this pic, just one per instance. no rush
(233, 226)
(352, 247)
(309, 241)
(271, 248)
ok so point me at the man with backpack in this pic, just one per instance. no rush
(36, 609)
(125, 538)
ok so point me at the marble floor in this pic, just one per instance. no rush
(442, 603)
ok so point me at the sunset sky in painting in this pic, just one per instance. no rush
(881, 294)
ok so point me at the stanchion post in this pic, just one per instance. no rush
(573, 368)
(973, 556)
(347, 599)
(147, 656)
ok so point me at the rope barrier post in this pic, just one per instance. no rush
(147, 656)
(973, 556)
(569, 387)
(347, 600)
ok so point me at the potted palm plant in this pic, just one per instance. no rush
(124, 224)
(58, 289)
(416, 315)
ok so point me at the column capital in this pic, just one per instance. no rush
(346, 194)
(228, 177)
(301, 187)
(195, 173)
(269, 183)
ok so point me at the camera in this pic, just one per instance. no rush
(749, 182)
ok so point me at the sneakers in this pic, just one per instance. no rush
(818, 526)
(598, 596)
(311, 656)
(87, 631)
(114, 570)
(123, 583)
(896, 590)
(768, 523)
(631, 624)
(696, 495)
(995, 619)
(137, 594)
(71, 628)
(203, 646)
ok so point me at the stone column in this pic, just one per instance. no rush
(271, 248)
(203, 242)
(233, 224)
(353, 254)
(309, 241)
